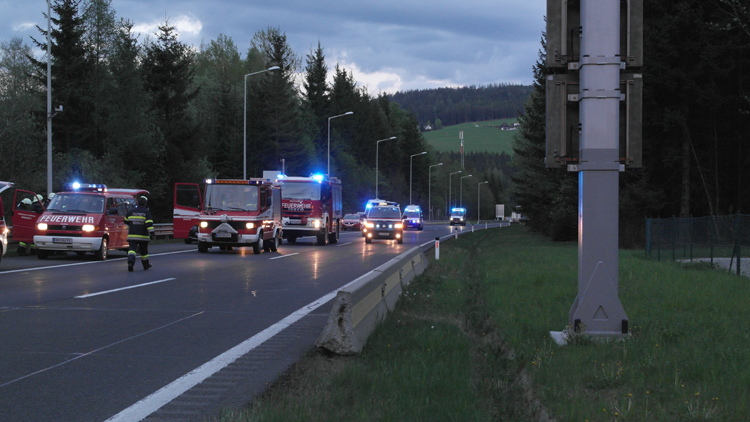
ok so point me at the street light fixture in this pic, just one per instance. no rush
(461, 197)
(450, 189)
(329, 139)
(411, 160)
(429, 189)
(377, 145)
(479, 196)
(244, 130)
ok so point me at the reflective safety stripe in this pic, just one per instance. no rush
(131, 252)
(138, 237)
(144, 256)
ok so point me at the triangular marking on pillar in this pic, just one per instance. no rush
(600, 314)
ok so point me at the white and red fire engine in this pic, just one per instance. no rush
(231, 213)
(312, 207)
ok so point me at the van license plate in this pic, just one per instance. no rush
(62, 240)
(223, 234)
(384, 234)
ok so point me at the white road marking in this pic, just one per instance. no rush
(152, 403)
(123, 288)
(145, 407)
(284, 256)
(344, 244)
(99, 349)
(87, 263)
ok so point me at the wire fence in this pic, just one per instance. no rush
(701, 238)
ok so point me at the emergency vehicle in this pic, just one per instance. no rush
(85, 218)
(384, 222)
(312, 207)
(458, 216)
(413, 217)
(3, 227)
(231, 213)
(27, 208)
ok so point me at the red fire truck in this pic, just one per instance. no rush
(231, 213)
(312, 207)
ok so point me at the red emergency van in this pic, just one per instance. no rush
(27, 207)
(86, 218)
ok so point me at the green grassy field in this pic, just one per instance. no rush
(469, 341)
(478, 137)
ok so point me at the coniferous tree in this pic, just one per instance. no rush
(71, 70)
(548, 198)
(316, 96)
(168, 71)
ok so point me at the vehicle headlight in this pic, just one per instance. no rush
(250, 225)
(204, 224)
(316, 224)
(41, 226)
(399, 225)
(88, 227)
(370, 225)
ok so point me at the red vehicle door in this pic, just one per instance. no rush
(188, 203)
(25, 213)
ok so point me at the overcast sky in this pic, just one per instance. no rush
(389, 45)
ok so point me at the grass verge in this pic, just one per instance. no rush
(469, 341)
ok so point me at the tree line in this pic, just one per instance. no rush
(152, 112)
(696, 116)
(451, 106)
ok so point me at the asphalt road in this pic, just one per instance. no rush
(88, 341)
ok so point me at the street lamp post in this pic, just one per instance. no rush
(377, 146)
(244, 130)
(450, 190)
(479, 196)
(429, 189)
(461, 195)
(49, 103)
(329, 138)
(411, 160)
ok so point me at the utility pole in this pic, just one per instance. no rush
(588, 104)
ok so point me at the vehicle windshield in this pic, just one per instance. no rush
(411, 214)
(232, 197)
(384, 212)
(458, 213)
(301, 190)
(77, 202)
(351, 217)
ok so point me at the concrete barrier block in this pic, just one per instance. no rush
(361, 304)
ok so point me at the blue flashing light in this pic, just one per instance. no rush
(86, 187)
(281, 176)
(318, 178)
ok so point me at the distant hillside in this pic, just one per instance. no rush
(451, 106)
(478, 137)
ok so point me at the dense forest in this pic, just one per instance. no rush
(451, 106)
(148, 113)
(696, 112)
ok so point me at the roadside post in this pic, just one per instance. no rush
(437, 249)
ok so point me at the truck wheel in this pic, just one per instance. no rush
(368, 240)
(256, 245)
(322, 239)
(275, 244)
(334, 237)
(267, 245)
(400, 240)
(202, 247)
(101, 254)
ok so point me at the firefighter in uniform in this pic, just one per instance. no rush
(140, 231)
